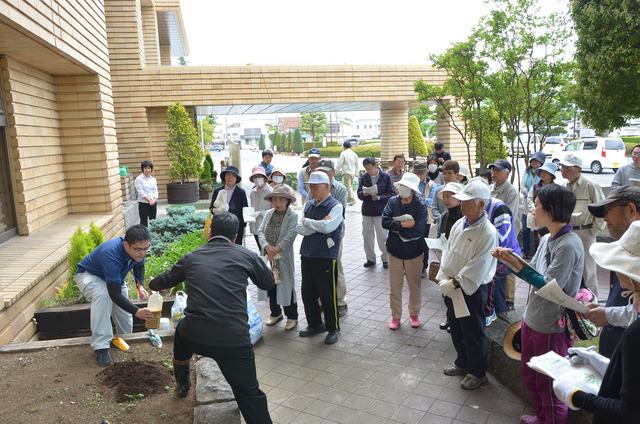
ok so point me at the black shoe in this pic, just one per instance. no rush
(342, 310)
(103, 357)
(332, 337)
(369, 264)
(310, 331)
(510, 306)
(385, 265)
(444, 325)
(182, 373)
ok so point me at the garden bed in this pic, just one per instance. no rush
(63, 385)
(60, 322)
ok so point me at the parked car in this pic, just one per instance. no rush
(216, 148)
(518, 148)
(553, 145)
(597, 153)
(353, 140)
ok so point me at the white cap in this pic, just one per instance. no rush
(571, 160)
(318, 177)
(409, 180)
(475, 189)
(464, 171)
(454, 188)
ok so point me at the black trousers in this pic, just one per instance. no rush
(257, 239)
(238, 365)
(290, 311)
(425, 258)
(240, 235)
(319, 277)
(468, 333)
(146, 212)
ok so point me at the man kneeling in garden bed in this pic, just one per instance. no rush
(215, 322)
(100, 278)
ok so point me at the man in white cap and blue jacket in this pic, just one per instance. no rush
(321, 225)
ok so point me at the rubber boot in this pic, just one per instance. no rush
(182, 373)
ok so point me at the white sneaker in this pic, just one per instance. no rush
(274, 320)
(291, 324)
(488, 320)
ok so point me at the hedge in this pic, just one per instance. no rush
(630, 143)
(367, 150)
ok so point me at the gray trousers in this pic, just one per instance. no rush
(103, 310)
(372, 227)
(341, 286)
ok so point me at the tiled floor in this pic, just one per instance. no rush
(372, 375)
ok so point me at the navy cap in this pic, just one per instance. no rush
(501, 164)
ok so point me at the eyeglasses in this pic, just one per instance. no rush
(142, 249)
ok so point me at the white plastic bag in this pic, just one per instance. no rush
(221, 205)
(179, 305)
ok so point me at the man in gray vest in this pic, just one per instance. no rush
(322, 228)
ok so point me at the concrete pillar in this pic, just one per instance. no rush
(453, 141)
(394, 132)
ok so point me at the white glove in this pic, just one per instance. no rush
(447, 287)
(564, 390)
(588, 355)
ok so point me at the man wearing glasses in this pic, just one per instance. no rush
(100, 278)
(629, 173)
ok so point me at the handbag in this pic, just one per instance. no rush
(434, 267)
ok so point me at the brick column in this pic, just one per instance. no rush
(454, 143)
(394, 132)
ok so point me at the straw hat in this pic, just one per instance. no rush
(282, 191)
(409, 180)
(511, 342)
(621, 256)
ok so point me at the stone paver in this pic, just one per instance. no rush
(372, 375)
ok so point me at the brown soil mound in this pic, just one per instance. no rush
(136, 379)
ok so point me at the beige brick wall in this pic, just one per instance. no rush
(150, 34)
(37, 153)
(394, 130)
(453, 142)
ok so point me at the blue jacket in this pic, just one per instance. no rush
(395, 245)
(111, 263)
(385, 192)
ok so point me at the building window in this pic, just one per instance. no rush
(8, 226)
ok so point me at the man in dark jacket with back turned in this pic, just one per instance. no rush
(216, 322)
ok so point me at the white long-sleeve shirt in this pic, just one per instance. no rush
(347, 163)
(147, 188)
(467, 258)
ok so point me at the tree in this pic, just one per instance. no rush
(290, 142)
(608, 60)
(261, 144)
(461, 100)
(315, 124)
(182, 61)
(426, 116)
(183, 150)
(416, 141)
(280, 142)
(273, 136)
(298, 144)
(208, 127)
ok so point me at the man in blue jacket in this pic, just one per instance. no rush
(100, 278)
(374, 189)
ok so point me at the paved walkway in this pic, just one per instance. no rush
(372, 375)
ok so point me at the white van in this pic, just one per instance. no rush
(597, 153)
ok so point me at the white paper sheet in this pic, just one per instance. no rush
(555, 366)
(248, 214)
(553, 293)
(402, 218)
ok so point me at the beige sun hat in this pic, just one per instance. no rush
(621, 256)
(512, 343)
(283, 191)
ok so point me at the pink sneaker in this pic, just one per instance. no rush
(529, 419)
(415, 321)
(394, 324)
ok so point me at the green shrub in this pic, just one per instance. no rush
(368, 150)
(179, 220)
(630, 143)
(298, 146)
(206, 182)
(183, 150)
(292, 180)
(261, 143)
(80, 245)
(416, 140)
(173, 252)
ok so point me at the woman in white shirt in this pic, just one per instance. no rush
(147, 188)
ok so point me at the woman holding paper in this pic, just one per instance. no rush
(259, 203)
(617, 400)
(235, 196)
(276, 233)
(405, 216)
(559, 257)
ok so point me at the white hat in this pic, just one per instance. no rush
(549, 167)
(621, 256)
(454, 188)
(318, 177)
(409, 180)
(475, 189)
(571, 160)
(464, 171)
